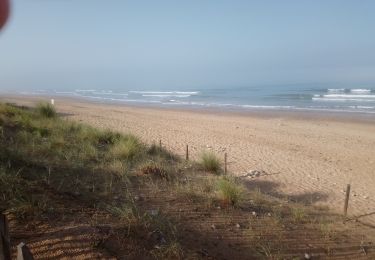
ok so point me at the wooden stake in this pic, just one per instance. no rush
(4, 249)
(4, 239)
(225, 163)
(187, 152)
(346, 200)
(160, 143)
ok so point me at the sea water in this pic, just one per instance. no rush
(287, 97)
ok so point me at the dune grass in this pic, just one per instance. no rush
(210, 162)
(73, 156)
(128, 147)
(230, 190)
(46, 110)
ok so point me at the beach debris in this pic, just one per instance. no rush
(365, 197)
(363, 248)
(307, 256)
(253, 174)
(154, 212)
(269, 214)
(254, 213)
(213, 226)
(238, 225)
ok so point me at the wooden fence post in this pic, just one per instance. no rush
(187, 152)
(4, 238)
(346, 200)
(23, 252)
(225, 163)
(160, 143)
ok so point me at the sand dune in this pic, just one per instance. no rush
(307, 158)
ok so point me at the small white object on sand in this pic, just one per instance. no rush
(52, 102)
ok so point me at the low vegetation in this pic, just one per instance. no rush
(230, 191)
(143, 202)
(46, 110)
(210, 162)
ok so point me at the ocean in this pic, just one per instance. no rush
(295, 97)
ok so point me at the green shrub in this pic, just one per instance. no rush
(108, 137)
(210, 162)
(46, 110)
(230, 191)
(126, 148)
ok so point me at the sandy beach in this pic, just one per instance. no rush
(307, 158)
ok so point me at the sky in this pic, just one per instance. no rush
(68, 44)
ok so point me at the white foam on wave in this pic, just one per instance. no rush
(28, 93)
(348, 96)
(85, 90)
(65, 93)
(336, 90)
(165, 95)
(165, 92)
(123, 100)
(268, 107)
(360, 90)
(109, 93)
(362, 107)
(105, 91)
(342, 99)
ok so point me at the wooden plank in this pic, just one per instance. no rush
(23, 252)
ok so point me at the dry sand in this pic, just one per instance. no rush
(308, 158)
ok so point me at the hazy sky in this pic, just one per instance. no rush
(186, 44)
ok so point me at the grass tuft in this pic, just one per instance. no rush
(108, 137)
(210, 162)
(127, 148)
(298, 214)
(230, 191)
(46, 110)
